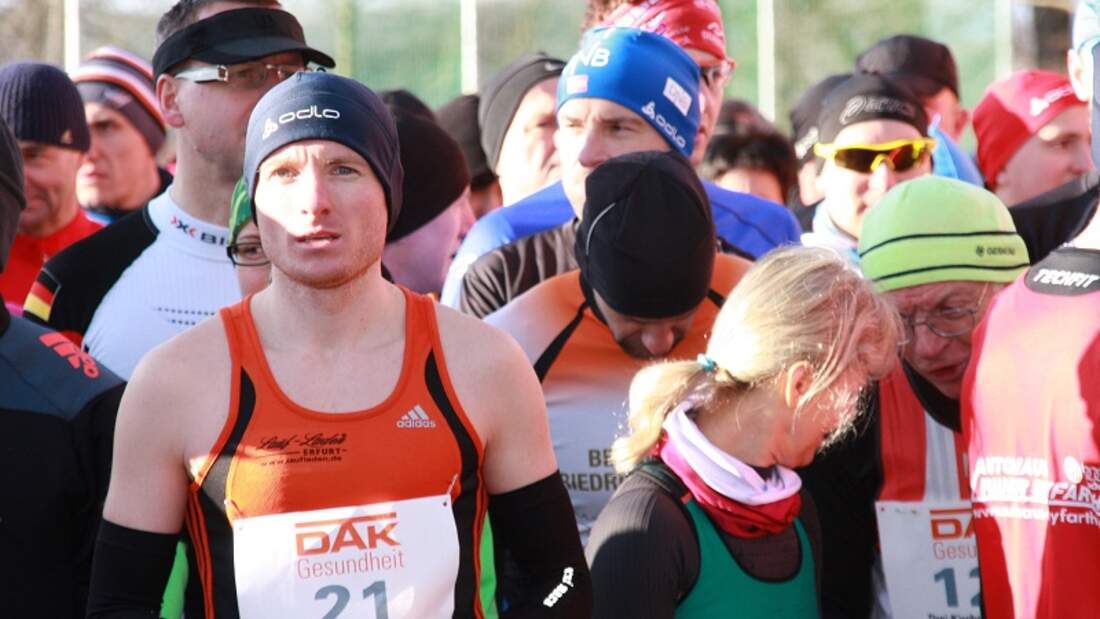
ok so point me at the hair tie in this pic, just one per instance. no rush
(706, 363)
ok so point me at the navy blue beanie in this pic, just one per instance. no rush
(646, 241)
(646, 73)
(323, 106)
(41, 104)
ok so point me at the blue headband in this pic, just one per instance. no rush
(644, 72)
(323, 106)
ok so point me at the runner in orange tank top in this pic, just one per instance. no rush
(327, 450)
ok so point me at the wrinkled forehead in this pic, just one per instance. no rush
(1071, 121)
(702, 58)
(599, 110)
(28, 149)
(325, 152)
(929, 297)
(100, 111)
(540, 100)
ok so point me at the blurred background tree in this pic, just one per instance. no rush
(417, 44)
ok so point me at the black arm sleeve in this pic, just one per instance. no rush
(93, 435)
(535, 526)
(129, 572)
(642, 552)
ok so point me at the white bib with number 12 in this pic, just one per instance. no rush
(394, 560)
(930, 559)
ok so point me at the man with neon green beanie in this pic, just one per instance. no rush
(939, 249)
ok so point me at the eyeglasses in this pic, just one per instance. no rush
(249, 76)
(900, 155)
(947, 323)
(247, 254)
(715, 74)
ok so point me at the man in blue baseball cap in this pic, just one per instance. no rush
(625, 91)
(281, 510)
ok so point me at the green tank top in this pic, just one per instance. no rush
(724, 590)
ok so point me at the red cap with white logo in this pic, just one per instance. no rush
(1014, 109)
(691, 24)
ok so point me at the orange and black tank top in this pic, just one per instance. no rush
(375, 513)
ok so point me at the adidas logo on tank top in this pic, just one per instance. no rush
(415, 418)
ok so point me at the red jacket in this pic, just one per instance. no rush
(28, 254)
(1031, 415)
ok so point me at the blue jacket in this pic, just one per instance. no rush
(753, 225)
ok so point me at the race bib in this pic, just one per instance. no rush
(384, 561)
(930, 559)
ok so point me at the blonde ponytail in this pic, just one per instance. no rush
(797, 304)
(655, 391)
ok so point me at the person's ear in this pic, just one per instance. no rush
(167, 99)
(963, 116)
(819, 180)
(795, 383)
(1003, 180)
(1079, 74)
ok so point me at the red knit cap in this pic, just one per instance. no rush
(694, 24)
(1013, 110)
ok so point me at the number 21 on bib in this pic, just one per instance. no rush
(394, 560)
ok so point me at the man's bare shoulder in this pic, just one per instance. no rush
(728, 271)
(500, 393)
(538, 316)
(469, 339)
(205, 341)
(177, 399)
(487, 366)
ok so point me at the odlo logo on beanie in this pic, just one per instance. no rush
(302, 114)
(650, 110)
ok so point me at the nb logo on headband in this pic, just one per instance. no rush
(596, 57)
(302, 114)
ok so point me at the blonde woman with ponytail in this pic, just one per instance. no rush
(712, 520)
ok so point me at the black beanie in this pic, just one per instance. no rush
(401, 100)
(41, 104)
(501, 96)
(864, 97)
(324, 106)
(435, 172)
(804, 116)
(922, 65)
(458, 117)
(12, 201)
(646, 242)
